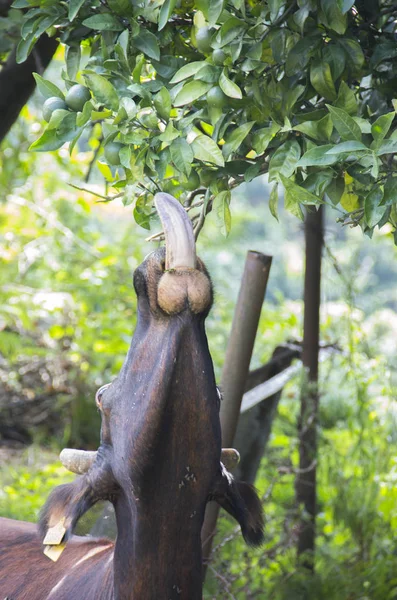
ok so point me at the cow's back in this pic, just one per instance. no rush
(83, 571)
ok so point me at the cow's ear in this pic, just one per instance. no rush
(241, 501)
(67, 503)
(64, 507)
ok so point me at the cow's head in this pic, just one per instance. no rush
(159, 460)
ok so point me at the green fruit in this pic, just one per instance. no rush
(203, 39)
(77, 96)
(216, 98)
(193, 182)
(206, 178)
(218, 57)
(111, 152)
(52, 104)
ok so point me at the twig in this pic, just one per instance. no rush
(81, 189)
(93, 161)
(225, 582)
(278, 21)
(192, 195)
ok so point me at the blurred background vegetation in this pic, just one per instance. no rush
(67, 313)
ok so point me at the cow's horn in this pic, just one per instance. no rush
(77, 461)
(178, 230)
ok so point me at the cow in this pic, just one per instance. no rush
(159, 459)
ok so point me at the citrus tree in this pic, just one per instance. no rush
(195, 97)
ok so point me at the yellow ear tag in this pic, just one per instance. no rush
(54, 552)
(54, 535)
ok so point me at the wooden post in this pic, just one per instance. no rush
(306, 478)
(236, 365)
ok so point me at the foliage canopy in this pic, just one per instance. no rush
(302, 90)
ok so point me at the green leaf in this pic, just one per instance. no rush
(191, 91)
(318, 156)
(169, 134)
(208, 73)
(319, 130)
(24, 48)
(335, 190)
(273, 201)
(355, 59)
(56, 118)
(46, 88)
(234, 140)
(381, 127)
(290, 98)
(387, 147)
(336, 20)
(275, 6)
(205, 149)
(351, 146)
(345, 5)
(129, 106)
(182, 155)
(298, 194)
(230, 30)
(72, 58)
(104, 22)
(221, 206)
(215, 8)
(141, 211)
(103, 90)
(49, 141)
(317, 182)
(335, 56)
(344, 124)
(262, 138)
(364, 124)
(74, 7)
(188, 71)
(346, 99)
(390, 191)
(84, 116)
(300, 54)
(375, 166)
(123, 8)
(162, 103)
(228, 87)
(321, 80)
(252, 172)
(165, 13)
(284, 160)
(373, 210)
(147, 43)
(125, 156)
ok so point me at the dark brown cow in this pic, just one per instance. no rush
(159, 457)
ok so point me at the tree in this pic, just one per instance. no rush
(196, 97)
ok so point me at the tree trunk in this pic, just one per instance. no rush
(306, 478)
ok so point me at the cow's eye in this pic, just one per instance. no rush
(99, 394)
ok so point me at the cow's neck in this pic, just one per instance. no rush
(157, 554)
(176, 445)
